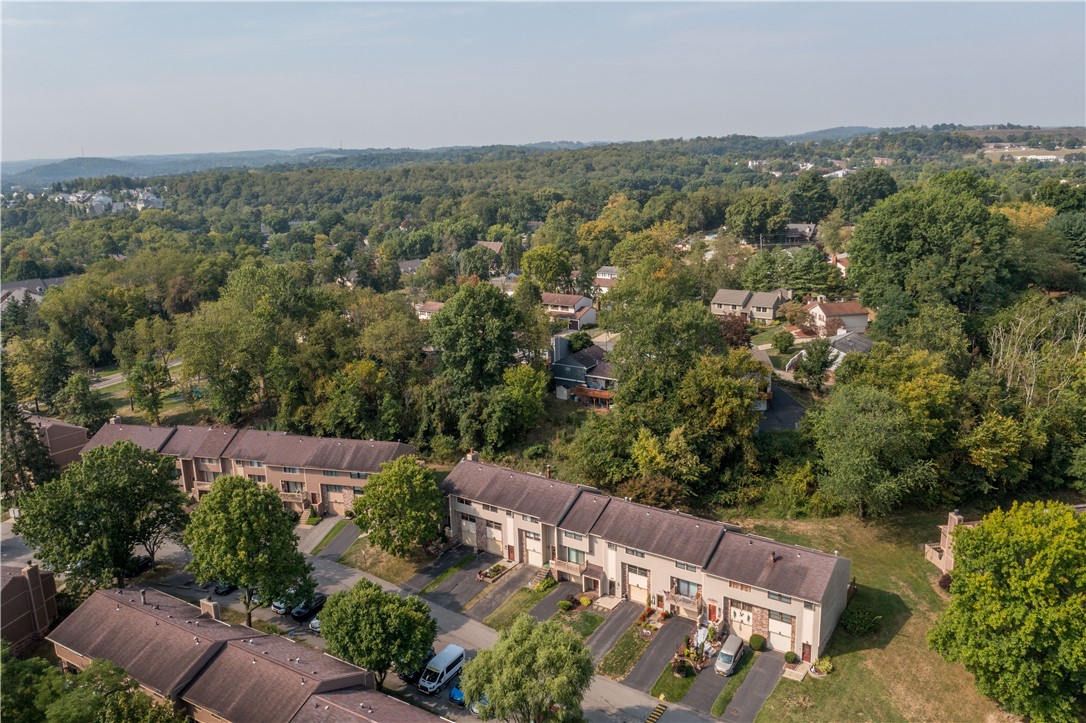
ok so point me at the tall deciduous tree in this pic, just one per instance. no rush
(809, 198)
(78, 403)
(475, 334)
(478, 261)
(536, 672)
(859, 192)
(148, 382)
(241, 533)
(402, 507)
(550, 266)
(24, 460)
(89, 519)
(1015, 618)
(815, 362)
(757, 213)
(375, 629)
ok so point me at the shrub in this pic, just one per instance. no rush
(680, 667)
(824, 665)
(536, 451)
(546, 584)
(859, 621)
(782, 341)
(586, 601)
(944, 581)
(757, 642)
(565, 605)
(790, 657)
(665, 615)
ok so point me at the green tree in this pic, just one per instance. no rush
(815, 363)
(536, 672)
(88, 520)
(402, 507)
(527, 388)
(78, 404)
(1015, 617)
(104, 693)
(241, 533)
(858, 192)
(148, 382)
(1071, 228)
(24, 460)
(783, 341)
(478, 261)
(375, 629)
(550, 266)
(475, 334)
(756, 214)
(809, 198)
(869, 450)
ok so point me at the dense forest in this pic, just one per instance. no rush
(279, 292)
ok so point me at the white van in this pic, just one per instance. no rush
(442, 668)
(731, 652)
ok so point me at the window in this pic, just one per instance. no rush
(254, 463)
(781, 598)
(509, 513)
(358, 475)
(532, 536)
(529, 518)
(573, 535)
(575, 556)
(493, 525)
(782, 617)
(684, 587)
(808, 605)
(293, 487)
(612, 546)
(329, 473)
(742, 606)
(207, 460)
(290, 470)
(357, 490)
(490, 508)
(686, 566)
(635, 570)
(738, 586)
(258, 478)
(635, 553)
(467, 518)
(333, 488)
(462, 501)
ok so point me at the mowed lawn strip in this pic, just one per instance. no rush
(671, 688)
(519, 602)
(891, 675)
(624, 654)
(330, 536)
(361, 555)
(721, 703)
(460, 565)
(582, 622)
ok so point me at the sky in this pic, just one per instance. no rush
(120, 79)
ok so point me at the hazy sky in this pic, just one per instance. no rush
(135, 78)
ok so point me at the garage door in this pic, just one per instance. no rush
(780, 635)
(637, 588)
(534, 545)
(494, 538)
(742, 619)
(467, 530)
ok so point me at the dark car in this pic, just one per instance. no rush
(456, 696)
(310, 606)
(137, 565)
(225, 588)
(412, 676)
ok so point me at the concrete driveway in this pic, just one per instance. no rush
(500, 591)
(659, 652)
(755, 689)
(612, 628)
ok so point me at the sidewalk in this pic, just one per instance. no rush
(309, 536)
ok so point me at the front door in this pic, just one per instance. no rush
(806, 652)
(509, 553)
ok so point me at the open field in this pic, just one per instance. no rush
(892, 675)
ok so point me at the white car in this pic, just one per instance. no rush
(315, 624)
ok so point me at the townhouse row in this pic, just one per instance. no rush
(695, 568)
(319, 472)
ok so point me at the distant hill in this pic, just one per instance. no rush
(840, 133)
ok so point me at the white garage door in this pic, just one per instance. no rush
(494, 538)
(534, 546)
(637, 588)
(467, 530)
(780, 635)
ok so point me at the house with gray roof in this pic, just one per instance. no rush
(693, 567)
(757, 306)
(584, 376)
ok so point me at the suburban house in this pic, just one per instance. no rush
(506, 282)
(28, 605)
(185, 655)
(760, 306)
(426, 310)
(322, 472)
(411, 266)
(840, 262)
(64, 441)
(800, 233)
(605, 278)
(849, 315)
(573, 310)
(584, 376)
(495, 246)
(693, 567)
(16, 291)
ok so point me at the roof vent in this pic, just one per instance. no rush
(254, 661)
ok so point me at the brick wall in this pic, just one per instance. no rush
(760, 617)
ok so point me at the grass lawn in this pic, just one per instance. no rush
(582, 622)
(765, 336)
(330, 536)
(778, 359)
(519, 602)
(237, 617)
(671, 688)
(397, 570)
(459, 565)
(624, 654)
(721, 703)
(892, 675)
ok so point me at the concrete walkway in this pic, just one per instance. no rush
(309, 536)
(548, 606)
(616, 623)
(755, 688)
(500, 591)
(657, 655)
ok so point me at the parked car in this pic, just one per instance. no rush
(479, 707)
(731, 653)
(225, 588)
(315, 624)
(441, 669)
(456, 696)
(412, 676)
(309, 606)
(281, 606)
(137, 565)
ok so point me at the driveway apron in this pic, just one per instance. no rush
(458, 589)
(607, 634)
(659, 652)
(500, 591)
(339, 544)
(755, 689)
(705, 690)
(423, 578)
(549, 605)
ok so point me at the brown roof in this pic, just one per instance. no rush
(431, 306)
(838, 308)
(359, 704)
(561, 299)
(797, 572)
(267, 678)
(667, 534)
(292, 450)
(584, 513)
(188, 442)
(529, 494)
(152, 438)
(162, 644)
(495, 246)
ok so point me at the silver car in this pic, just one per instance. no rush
(731, 653)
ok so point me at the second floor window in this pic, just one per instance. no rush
(575, 556)
(293, 487)
(684, 587)
(290, 470)
(330, 473)
(573, 535)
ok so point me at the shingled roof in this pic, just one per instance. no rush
(188, 442)
(359, 704)
(731, 297)
(794, 571)
(584, 513)
(151, 438)
(667, 534)
(529, 494)
(292, 450)
(162, 643)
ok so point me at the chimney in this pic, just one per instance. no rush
(209, 606)
(143, 597)
(473, 456)
(773, 556)
(547, 471)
